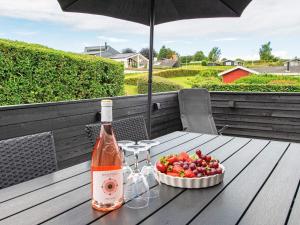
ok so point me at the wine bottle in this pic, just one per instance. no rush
(106, 166)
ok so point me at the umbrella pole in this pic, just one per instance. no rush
(149, 109)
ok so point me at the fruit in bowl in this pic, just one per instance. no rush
(190, 171)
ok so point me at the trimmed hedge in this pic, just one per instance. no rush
(159, 84)
(269, 79)
(177, 73)
(132, 79)
(249, 87)
(31, 73)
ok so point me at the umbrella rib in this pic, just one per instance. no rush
(71, 3)
(228, 6)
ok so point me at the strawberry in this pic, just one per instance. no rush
(161, 167)
(189, 174)
(173, 174)
(172, 159)
(177, 169)
(183, 156)
(170, 168)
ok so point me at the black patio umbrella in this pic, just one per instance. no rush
(152, 12)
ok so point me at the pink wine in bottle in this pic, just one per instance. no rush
(106, 168)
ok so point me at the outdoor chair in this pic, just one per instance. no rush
(25, 158)
(132, 128)
(195, 111)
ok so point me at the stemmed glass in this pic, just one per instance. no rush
(125, 168)
(148, 170)
(136, 188)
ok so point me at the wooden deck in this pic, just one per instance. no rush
(273, 116)
(261, 186)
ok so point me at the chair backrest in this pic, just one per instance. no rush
(25, 158)
(195, 111)
(132, 128)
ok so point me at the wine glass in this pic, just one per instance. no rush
(125, 168)
(136, 188)
(148, 170)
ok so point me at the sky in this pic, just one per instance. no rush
(43, 22)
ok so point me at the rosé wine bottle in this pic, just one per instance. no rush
(106, 167)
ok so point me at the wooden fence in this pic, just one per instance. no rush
(258, 115)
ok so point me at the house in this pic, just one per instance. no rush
(293, 62)
(167, 63)
(235, 73)
(130, 60)
(229, 62)
(238, 72)
(105, 51)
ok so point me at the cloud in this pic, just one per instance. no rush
(281, 54)
(25, 33)
(263, 18)
(112, 39)
(226, 39)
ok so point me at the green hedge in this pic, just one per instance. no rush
(132, 79)
(32, 73)
(159, 84)
(249, 87)
(269, 79)
(181, 72)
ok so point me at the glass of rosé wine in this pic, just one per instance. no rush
(136, 187)
(148, 170)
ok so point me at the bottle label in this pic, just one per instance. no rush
(107, 186)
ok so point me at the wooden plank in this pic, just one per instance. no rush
(257, 97)
(279, 188)
(243, 155)
(44, 181)
(19, 204)
(32, 199)
(256, 119)
(73, 216)
(256, 112)
(295, 214)
(234, 200)
(260, 126)
(263, 134)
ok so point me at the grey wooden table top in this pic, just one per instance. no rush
(260, 187)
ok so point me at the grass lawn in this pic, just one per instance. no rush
(130, 90)
(182, 80)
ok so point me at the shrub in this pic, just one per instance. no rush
(249, 87)
(159, 84)
(268, 79)
(32, 73)
(176, 73)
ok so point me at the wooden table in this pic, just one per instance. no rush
(260, 187)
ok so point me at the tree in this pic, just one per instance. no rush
(186, 59)
(199, 56)
(165, 53)
(128, 50)
(145, 52)
(214, 54)
(265, 52)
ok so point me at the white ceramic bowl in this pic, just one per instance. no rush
(202, 182)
